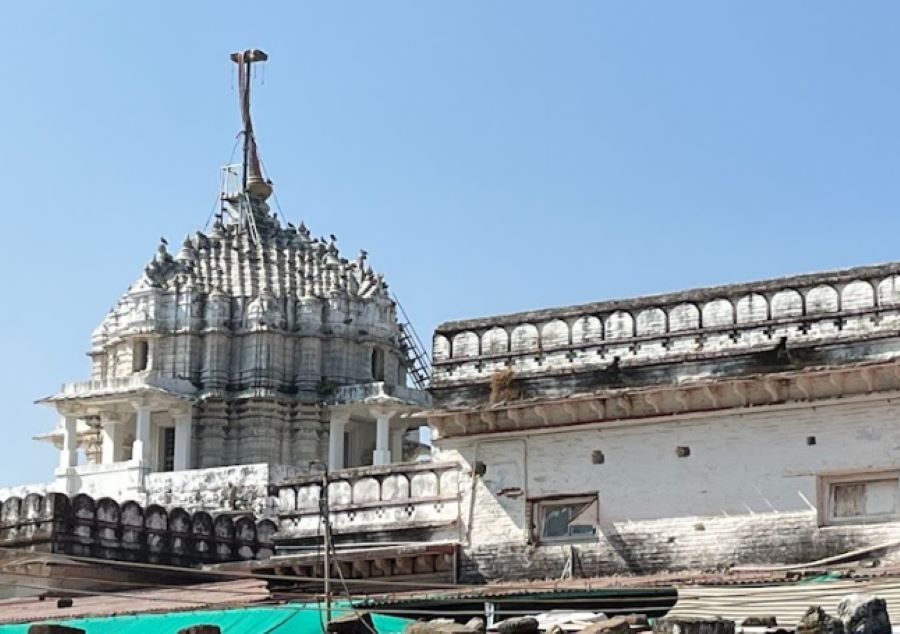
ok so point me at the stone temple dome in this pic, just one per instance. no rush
(253, 343)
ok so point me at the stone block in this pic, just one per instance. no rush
(693, 626)
(518, 625)
(759, 621)
(817, 621)
(864, 614)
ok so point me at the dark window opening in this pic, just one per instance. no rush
(168, 461)
(139, 353)
(378, 364)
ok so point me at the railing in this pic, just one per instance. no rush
(812, 308)
(137, 381)
(367, 499)
(361, 392)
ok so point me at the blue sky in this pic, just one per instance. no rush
(491, 156)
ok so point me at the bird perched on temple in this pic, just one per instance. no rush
(164, 241)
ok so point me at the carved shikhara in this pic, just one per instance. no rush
(704, 323)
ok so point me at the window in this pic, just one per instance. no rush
(854, 498)
(378, 364)
(139, 353)
(168, 449)
(566, 519)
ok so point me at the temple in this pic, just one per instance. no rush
(255, 393)
(252, 344)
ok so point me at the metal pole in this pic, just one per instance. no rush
(245, 110)
(323, 507)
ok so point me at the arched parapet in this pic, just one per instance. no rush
(265, 539)
(587, 329)
(555, 334)
(366, 490)
(787, 303)
(651, 321)
(619, 325)
(108, 518)
(857, 295)
(407, 493)
(464, 345)
(133, 533)
(684, 317)
(752, 308)
(224, 538)
(202, 536)
(718, 313)
(889, 291)
(423, 484)
(10, 516)
(440, 347)
(395, 487)
(495, 341)
(524, 337)
(340, 493)
(745, 318)
(180, 535)
(822, 299)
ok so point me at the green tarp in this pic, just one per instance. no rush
(277, 619)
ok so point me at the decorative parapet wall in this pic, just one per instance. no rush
(839, 306)
(232, 488)
(367, 502)
(105, 529)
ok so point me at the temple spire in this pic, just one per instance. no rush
(252, 178)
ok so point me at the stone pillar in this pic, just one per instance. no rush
(68, 456)
(382, 454)
(398, 431)
(141, 448)
(336, 439)
(111, 433)
(183, 436)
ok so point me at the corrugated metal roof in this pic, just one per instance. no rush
(786, 602)
(225, 593)
(280, 619)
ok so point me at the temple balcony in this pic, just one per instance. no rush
(407, 502)
(141, 423)
(134, 383)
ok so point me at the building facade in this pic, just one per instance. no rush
(747, 424)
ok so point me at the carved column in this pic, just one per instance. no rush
(398, 431)
(337, 425)
(68, 455)
(183, 437)
(382, 453)
(141, 449)
(111, 433)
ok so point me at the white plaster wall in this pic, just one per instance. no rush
(741, 464)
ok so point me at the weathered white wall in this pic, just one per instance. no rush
(746, 469)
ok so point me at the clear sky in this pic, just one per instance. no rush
(491, 156)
